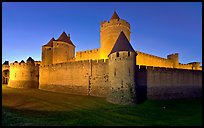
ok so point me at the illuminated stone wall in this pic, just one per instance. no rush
(170, 62)
(99, 79)
(109, 32)
(62, 52)
(24, 75)
(88, 54)
(47, 54)
(168, 83)
(79, 77)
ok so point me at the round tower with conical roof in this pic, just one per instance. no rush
(122, 72)
(109, 32)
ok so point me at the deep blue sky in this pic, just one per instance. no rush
(157, 28)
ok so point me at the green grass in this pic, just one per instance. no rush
(37, 107)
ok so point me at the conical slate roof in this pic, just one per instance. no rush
(30, 60)
(50, 43)
(64, 38)
(6, 63)
(122, 44)
(115, 16)
(22, 61)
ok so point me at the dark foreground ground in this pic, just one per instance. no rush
(36, 107)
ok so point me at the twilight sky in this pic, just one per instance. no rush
(157, 28)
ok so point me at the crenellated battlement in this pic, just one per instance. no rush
(149, 55)
(162, 69)
(23, 64)
(93, 54)
(87, 51)
(99, 61)
(118, 22)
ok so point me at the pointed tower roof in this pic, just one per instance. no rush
(122, 44)
(50, 43)
(30, 60)
(64, 38)
(115, 16)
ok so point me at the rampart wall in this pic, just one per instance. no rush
(168, 83)
(85, 77)
(151, 60)
(185, 66)
(88, 54)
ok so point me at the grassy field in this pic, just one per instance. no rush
(36, 107)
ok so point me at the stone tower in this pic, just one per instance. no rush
(24, 75)
(122, 72)
(58, 51)
(109, 32)
(63, 49)
(47, 52)
(174, 59)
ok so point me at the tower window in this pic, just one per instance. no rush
(114, 71)
(117, 54)
(128, 53)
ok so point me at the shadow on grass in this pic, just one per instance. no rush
(151, 112)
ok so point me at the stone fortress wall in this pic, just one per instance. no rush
(168, 83)
(172, 61)
(92, 77)
(88, 77)
(93, 54)
(24, 75)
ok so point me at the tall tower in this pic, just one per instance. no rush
(63, 49)
(47, 52)
(58, 51)
(122, 65)
(109, 32)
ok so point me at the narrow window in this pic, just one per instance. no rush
(15, 74)
(115, 72)
(117, 54)
(128, 53)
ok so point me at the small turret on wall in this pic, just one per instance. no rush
(174, 58)
(24, 75)
(122, 64)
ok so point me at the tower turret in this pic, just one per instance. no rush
(109, 32)
(174, 59)
(122, 72)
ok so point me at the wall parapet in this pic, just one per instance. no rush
(142, 53)
(113, 22)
